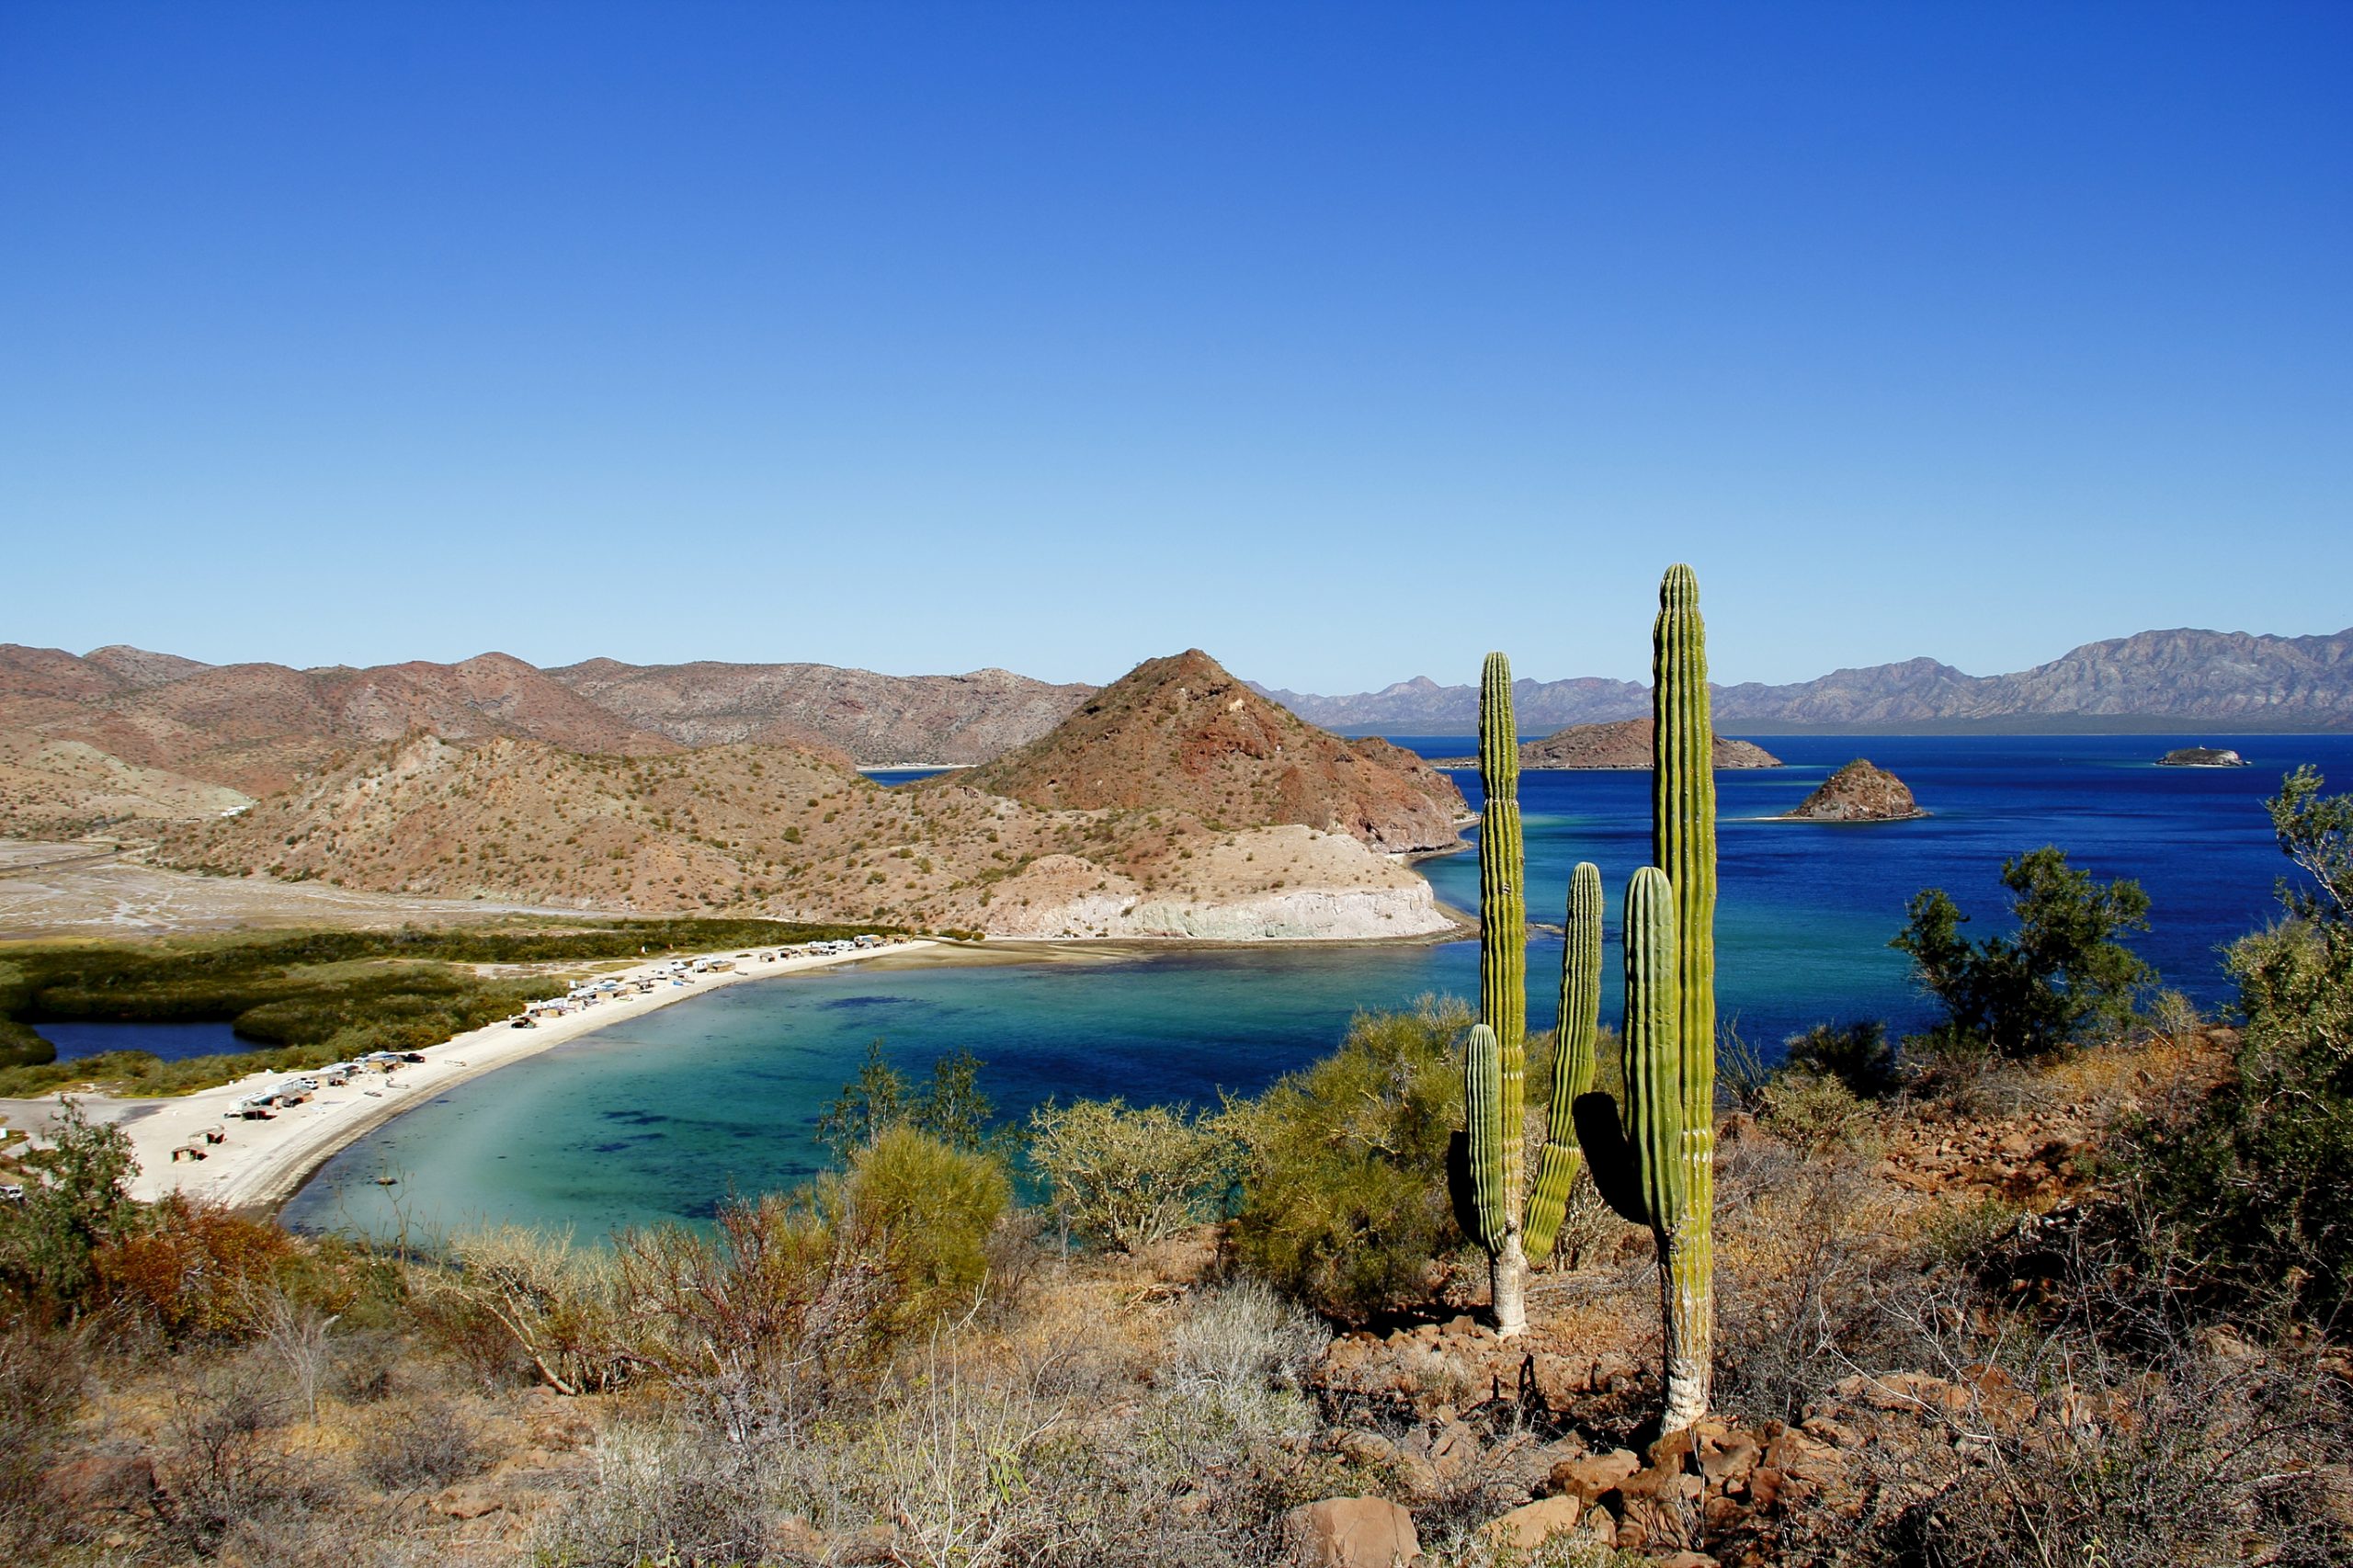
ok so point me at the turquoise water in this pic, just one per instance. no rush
(659, 1119)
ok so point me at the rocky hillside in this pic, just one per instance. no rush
(257, 727)
(877, 719)
(1181, 735)
(794, 833)
(1860, 792)
(2138, 682)
(1624, 744)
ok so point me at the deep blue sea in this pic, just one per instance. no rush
(170, 1042)
(661, 1117)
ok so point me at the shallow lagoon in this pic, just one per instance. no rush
(661, 1117)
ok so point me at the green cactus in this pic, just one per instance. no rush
(1495, 1071)
(1683, 846)
(1572, 1059)
(1659, 1169)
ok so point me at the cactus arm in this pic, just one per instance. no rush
(1483, 1092)
(1653, 1086)
(1572, 1059)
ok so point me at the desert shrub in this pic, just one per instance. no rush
(559, 1305)
(423, 1444)
(1817, 1113)
(219, 1461)
(663, 1492)
(1239, 1341)
(75, 1203)
(2196, 1458)
(952, 1107)
(1128, 1176)
(2061, 979)
(760, 1315)
(2248, 1182)
(1858, 1055)
(41, 1384)
(926, 1211)
(1345, 1202)
(194, 1270)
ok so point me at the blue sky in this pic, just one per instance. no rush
(1346, 342)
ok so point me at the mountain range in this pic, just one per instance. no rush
(1203, 811)
(2153, 680)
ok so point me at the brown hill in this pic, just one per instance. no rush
(1860, 792)
(257, 727)
(1180, 733)
(877, 719)
(792, 833)
(1624, 744)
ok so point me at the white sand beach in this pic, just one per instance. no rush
(261, 1163)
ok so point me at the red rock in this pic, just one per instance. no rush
(1527, 1527)
(1351, 1532)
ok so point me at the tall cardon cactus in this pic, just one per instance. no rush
(1655, 1158)
(1495, 1069)
(1681, 1069)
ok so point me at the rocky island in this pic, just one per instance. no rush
(1623, 744)
(1858, 792)
(2202, 757)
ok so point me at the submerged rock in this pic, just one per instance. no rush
(1860, 792)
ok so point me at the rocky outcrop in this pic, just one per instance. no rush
(2202, 757)
(1181, 735)
(1625, 745)
(1858, 792)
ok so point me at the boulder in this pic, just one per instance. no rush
(1527, 1527)
(1588, 1478)
(1351, 1532)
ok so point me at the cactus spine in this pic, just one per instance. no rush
(1495, 1071)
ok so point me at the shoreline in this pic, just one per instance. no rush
(264, 1163)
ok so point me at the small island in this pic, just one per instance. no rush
(1625, 745)
(2202, 757)
(1858, 792)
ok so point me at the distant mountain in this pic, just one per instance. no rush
(1625, 745)
(2221, 679)
(876, 718)
(1180, 733)
(258, 727)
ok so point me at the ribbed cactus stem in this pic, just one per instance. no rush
(1654, 1062)
(1571, 1058)
(1482, 1089)
(1503, 973)
(1683, 841)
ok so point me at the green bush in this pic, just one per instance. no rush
(2249, 1184)
(1344, 1200)
(1128, 1176)
(1857, 1055)
(2061, 979)
(75, 1203)
(924, 1210)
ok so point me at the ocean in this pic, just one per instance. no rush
(662, 1118)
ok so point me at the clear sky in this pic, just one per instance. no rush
(1346, 342)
